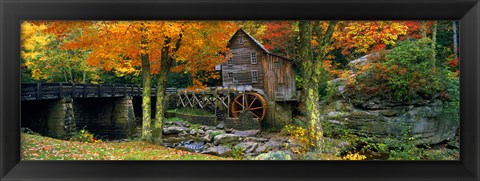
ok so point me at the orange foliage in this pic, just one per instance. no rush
(365, 36)
(197, 46)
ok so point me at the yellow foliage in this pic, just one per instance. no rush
(300, 136)
(354, 156)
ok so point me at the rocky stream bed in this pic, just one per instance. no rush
(216, 140)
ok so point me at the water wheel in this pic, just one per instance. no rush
(253, 102)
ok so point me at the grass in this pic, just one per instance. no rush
(35, 147)
(191, 111)
(180, 120)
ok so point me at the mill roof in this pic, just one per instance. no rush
(258, 43)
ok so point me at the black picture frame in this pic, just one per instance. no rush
(12, 12)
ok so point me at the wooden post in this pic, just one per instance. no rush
(39, 92)
(84, 90)
(60, 90)
(125, 89)
(99, 90)
(73, 90)
(113, 90)
(133, 89)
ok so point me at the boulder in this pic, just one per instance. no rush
(278, 155)
(223, 151)
(248, 147)
(209, 135)
(261, 149)
(225, 138)
(221, 125)
(174, 130)
(275, 144)
(245, 133)
(256, 139)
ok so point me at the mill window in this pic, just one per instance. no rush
(230, 74)
(253, 58)
(241, 40)
(276, 65)
(254, 76)
(230, 62)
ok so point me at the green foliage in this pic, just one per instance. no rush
(323, 83)
(237, 152)
(215, 133)
(405, 73)
(84, 136)
(180, 120)
(451, 107)
(179, 80)
(28, 131)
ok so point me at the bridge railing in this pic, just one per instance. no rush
(39, 91)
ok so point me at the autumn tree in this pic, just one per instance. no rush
(318, 38)
(152, 46)
(279, 37)
(311, 70)
(46, 61)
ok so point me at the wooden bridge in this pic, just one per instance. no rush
(42, 91)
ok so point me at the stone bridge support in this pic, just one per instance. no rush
(110, 118)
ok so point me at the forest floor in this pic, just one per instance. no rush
(36, 147)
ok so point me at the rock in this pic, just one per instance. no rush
(229, 130)
(181, 124)
(204, 128)
(279, 155)
(225, 138)
(248, 147)
(334, 146)
(275, 144)
(183, 134)
(209, 135)
(256, 139)
(261, 149)
(223, 151)
(221, 125)
(193, 132)
(174, 130)
(425, 122)
(246, 133)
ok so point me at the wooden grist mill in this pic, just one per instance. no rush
(253, 80)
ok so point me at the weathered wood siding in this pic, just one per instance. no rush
(242, 66)
(280, 78)
(272, 79)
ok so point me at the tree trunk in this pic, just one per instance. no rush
(160, 105)
(434, 43)
(455, 40)
(424, 29)
(311, 67)
(310, 85)
(146, 103)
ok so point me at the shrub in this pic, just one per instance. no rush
(354, 156)
(84, 136)
(403, 74)
(299, 136)
(29, 131)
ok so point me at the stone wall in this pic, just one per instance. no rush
(278, 115)
(209, 120)
(244, 122)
